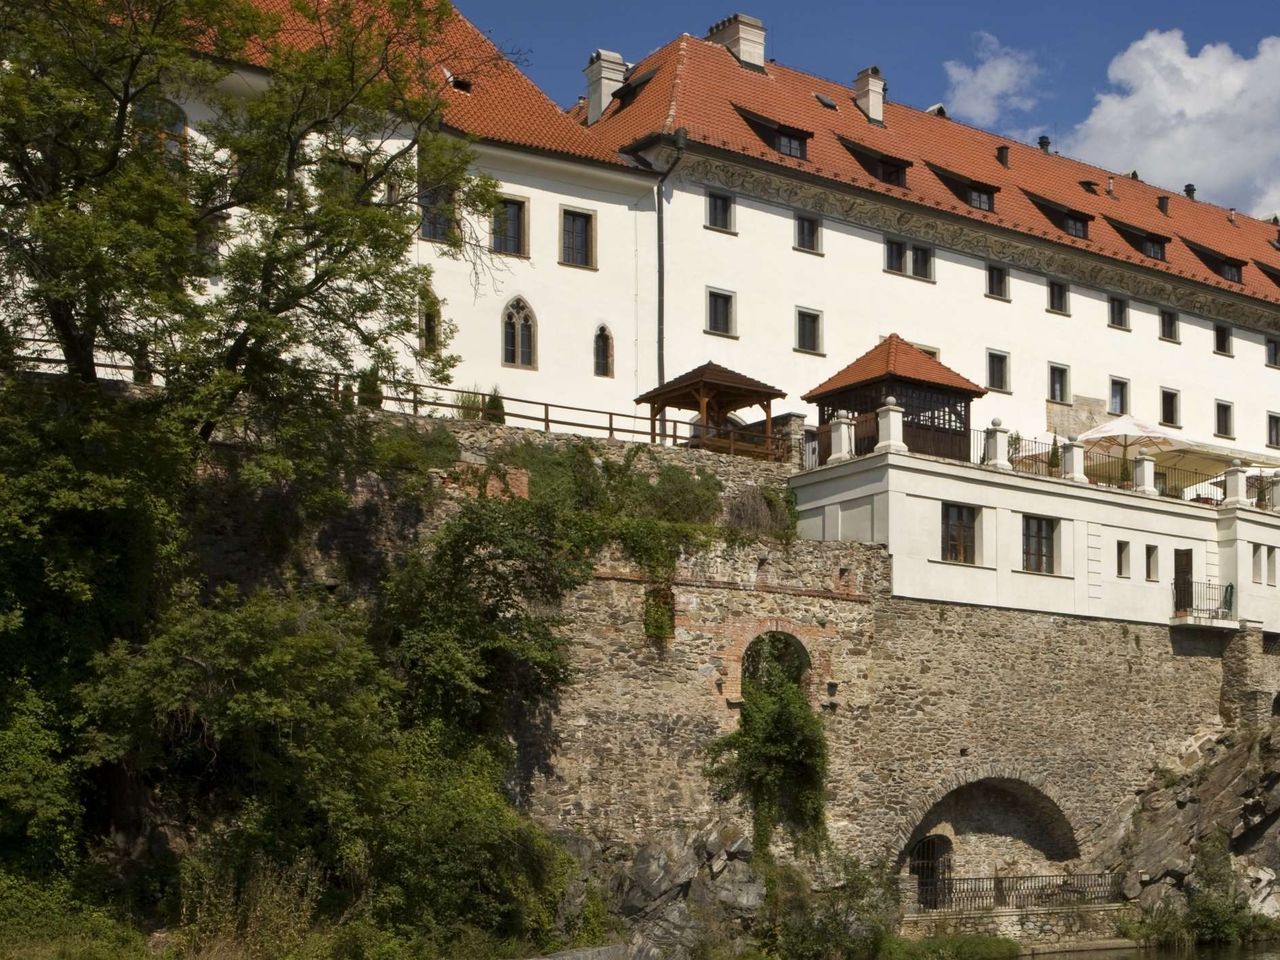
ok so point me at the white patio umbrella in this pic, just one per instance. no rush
(1125, 436)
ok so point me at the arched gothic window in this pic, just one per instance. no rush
(519, 335)
(603, 352)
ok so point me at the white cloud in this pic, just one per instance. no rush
(1210, 118)
(1002, 81)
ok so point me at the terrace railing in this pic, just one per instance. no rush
(1209, 601)
(994, 893)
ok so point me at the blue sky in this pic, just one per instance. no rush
(1183, 112)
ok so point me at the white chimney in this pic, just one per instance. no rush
(743, 35)
(605, 71)
(868, 93)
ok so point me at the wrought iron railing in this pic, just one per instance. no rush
(1190, 485)
(1196, 598)
(992, 893)
(1035, 457)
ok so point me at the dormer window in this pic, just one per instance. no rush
(1228, 268)
(1144, 241)
(788, 141)
(1075, 226)
(1231, 272)
(1152, 247)
(886, 169)
(1073, 223)
(980, 198)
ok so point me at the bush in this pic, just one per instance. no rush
(369, 388)
(469, 404)
(950, 947)
(762, 513)
(849, 919)
(46, 920)
(494, 411)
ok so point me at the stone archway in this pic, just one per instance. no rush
(996, 822)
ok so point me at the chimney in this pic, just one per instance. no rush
(1111, 186)
(743, 36)
(604, 71)
(868, 93)
(1002, 155)
(1163, 204)
(1231, 215)
(1190, 191)
(1043, 143)
(938, 110)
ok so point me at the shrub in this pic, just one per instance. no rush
(951, 947)
(494, 411)
(469, 404)
(369, 388)
(762, 512)
(849, 919)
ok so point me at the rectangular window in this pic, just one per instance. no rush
(1273, 352)
(720, 312)
(720, 211)
(1076, 226)
(437, 215)
(894, 174)
(1153, 248)
(1118, 312)
(1257, 563)
(1122, 558)
(1222, 339)
(1273, 429)
(981, 198)
(1119, 403)
(922, 263)
(1271, 566)
(1170, 415)
(790, 145)
(1222, 419)
(807, 233)
(1231, 272)
(895, 256)
(1168, 325)
(997, 282)
(1059, 386)
(1153, 562)
(959, 533)
(808, 331)
(1038, 535)
(1057, 296)
(509, 227)
(997, 371)
(576, 248)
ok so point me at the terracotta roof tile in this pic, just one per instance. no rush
(502, 105)
(700, 86)
(894, 357)
(716, 376)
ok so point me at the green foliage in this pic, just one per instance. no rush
(1216, 911)
(776, 760)
(659, 613)
(1055, 454)
(469, 404)
(494, 411)
(403, 454)
(369, 388)
(46, 921)
(950, 947)
(763, 512)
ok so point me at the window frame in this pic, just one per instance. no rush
(1123, 568)
(930, 255)
(1218, 407)
(993, 270)
(816, 221)
(816, 351)
(1008, 371)
(1123, 304)
(1154, 248)
(1039, 544)
(1270, 348)
(517, 363)
(1224, 329)
(1066, 383)
(595, 352)
(450, 228)
(1068, 219)
(967, 530)
(1273, 437)
(523, 252)
(980, 198)
(1177, 407)
(1151, 563)
(1177, 323)
(712, 293)
(1065, 309)
(565, 213)
(791, 144)
(892, 243)
(1111, 387)
(731, 211)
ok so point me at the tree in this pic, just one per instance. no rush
(302, 198)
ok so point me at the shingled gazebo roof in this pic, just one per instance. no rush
(895, 358)
(732, 390)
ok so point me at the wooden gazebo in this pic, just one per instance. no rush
(714, 392)
(935, 400)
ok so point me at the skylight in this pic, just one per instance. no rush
(826, 101)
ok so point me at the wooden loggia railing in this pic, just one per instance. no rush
(419, 399)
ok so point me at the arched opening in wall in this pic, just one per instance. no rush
(519, 335)
(930, 865)
(999, 827)
(1275, 705)
(775, 650)
(603, 352)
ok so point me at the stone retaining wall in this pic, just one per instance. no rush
(1030, 927)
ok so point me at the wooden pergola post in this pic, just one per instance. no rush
(702, 414)
(768, 429)
(653, 423)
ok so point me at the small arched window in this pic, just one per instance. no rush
(429, 324)
(603, 352)
(519, 335)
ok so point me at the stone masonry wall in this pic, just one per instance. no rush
(1032, 927)
(918, 698)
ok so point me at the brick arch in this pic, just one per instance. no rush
(994, 772)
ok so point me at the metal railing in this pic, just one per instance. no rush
(991, 893)
(1035, 457)
(1190, 485)
(1196, 598)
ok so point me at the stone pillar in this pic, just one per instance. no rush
(1273, 492)
(1245, 701)
(1073, 461)
(997, 446)
(1144, 475)
(841, 440)
(1236, 483)
(889, 424)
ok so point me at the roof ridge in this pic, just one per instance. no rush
(674, 109)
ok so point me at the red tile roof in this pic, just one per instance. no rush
(502, 105)
(894, 357)
(722, 379)
(700, 86)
